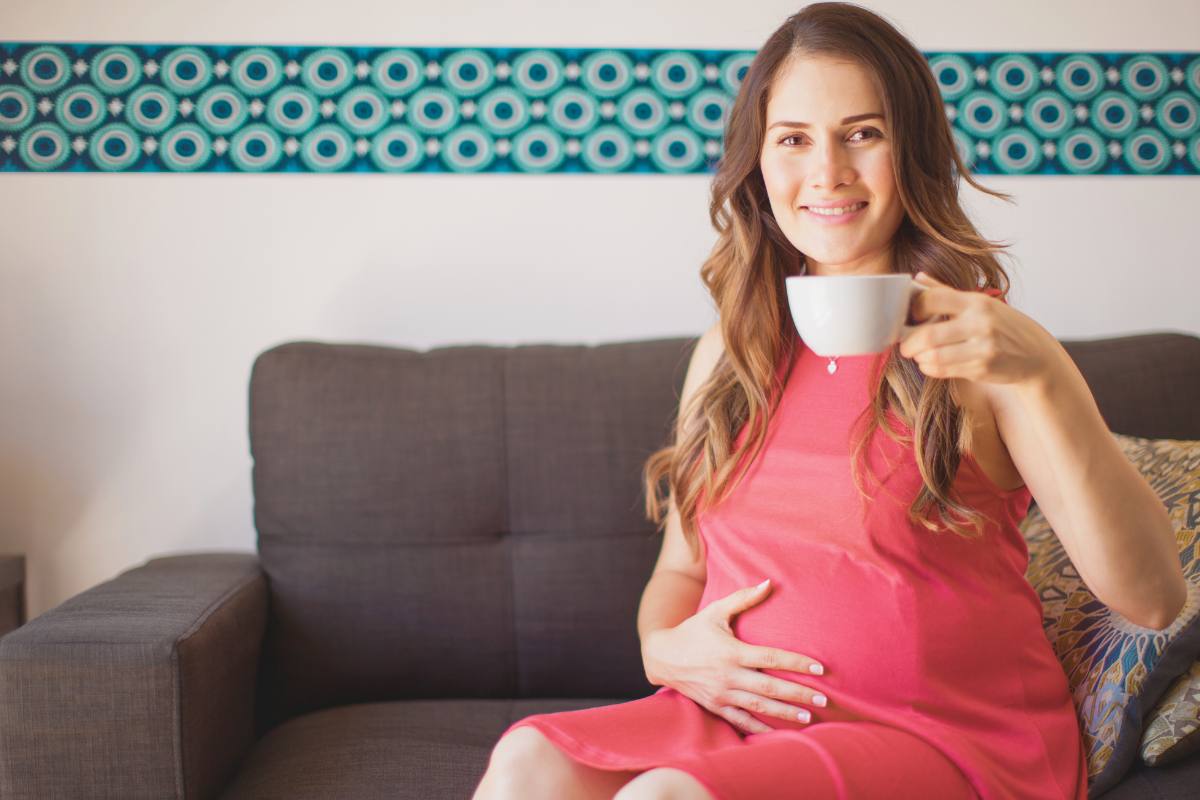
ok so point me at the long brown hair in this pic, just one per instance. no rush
(746, 270)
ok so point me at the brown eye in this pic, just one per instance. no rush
(871, 133)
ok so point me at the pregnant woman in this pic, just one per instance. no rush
(897, 651)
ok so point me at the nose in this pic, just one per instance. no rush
(831, 167)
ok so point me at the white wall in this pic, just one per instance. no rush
(132, 306)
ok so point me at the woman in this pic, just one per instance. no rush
(898, 650)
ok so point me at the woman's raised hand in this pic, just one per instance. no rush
(702, 659)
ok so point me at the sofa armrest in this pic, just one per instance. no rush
(140, 687)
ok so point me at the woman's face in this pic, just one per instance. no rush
(829, 159)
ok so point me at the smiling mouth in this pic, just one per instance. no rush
(835, 212)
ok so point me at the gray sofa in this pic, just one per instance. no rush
(447, 541)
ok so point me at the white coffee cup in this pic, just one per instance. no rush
(851, 315)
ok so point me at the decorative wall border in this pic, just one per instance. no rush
(106, 107)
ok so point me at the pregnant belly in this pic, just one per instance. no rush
(889, 647)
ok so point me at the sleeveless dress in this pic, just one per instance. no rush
(941, 682)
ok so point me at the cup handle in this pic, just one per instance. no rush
(914, 288)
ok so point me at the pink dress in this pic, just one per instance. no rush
(941, 682)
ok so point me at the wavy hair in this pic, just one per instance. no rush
(746, 269)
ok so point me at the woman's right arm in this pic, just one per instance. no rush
(677, 581)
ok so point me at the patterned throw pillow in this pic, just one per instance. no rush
(1173, 729)
(1118, 671)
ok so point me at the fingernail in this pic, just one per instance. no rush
(820, 700)
(763, 584)
(804, 716)
(816, 669)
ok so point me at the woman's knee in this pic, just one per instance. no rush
(522, 748)
(664, 782)
(526, 764)
(524, 758)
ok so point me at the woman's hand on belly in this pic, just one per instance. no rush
(702, 659)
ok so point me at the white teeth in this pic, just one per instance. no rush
(836, 212)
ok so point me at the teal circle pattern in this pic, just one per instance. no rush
(607, 73)
(642, 112)
(1178, 113)
(1015, 76)
(503, 111)
(116, 70)
(221, 109)
(293, 110)
(257, 71)
(1017, 151)
(538, 148)
(44, 147)
(82, 108)
(537, 73)
(677, 149)
(45, 69)
(1080, 77)
(468, 73)
(185, 148)
(1082, 151)
(398, 72)
(733, 70)
(151, 109)
(1145, 77)
(397, 148)
(573, 112)
(1114, 114)
(186, 70)
(1147, 151)
(707, 112)
(277, 108)
(17, 107)
(953, 74)
(115, 147)
(433, 111)
(326, 148)
(363, 110)
(256, 148)
(1048, 114)
(609, 148)
(468, 149)
(327, 71)
(982, 113)
(676, 74)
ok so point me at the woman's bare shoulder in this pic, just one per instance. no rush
(712, 342)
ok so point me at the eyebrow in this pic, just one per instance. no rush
(846, 121)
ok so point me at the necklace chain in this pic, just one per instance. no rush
(831, 367)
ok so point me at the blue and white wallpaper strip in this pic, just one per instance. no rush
(82, 107)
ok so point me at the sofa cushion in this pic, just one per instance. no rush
(418, 749)
(1173, 730)
(1117, 670)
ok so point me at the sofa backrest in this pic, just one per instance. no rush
(462, 522)
(468, 521)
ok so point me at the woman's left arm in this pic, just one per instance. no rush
(1111, 523)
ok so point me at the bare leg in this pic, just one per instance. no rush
(525, 764)
(676, 784)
